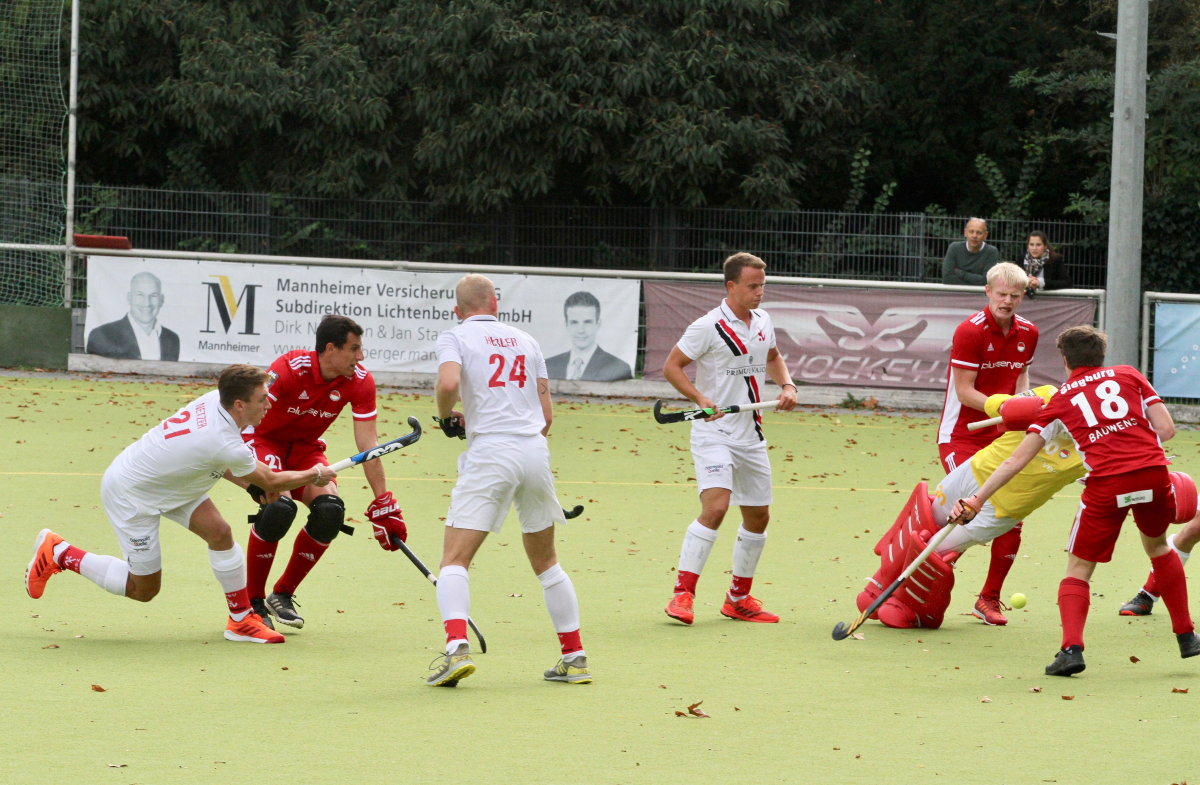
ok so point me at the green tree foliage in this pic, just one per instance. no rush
(481, 102)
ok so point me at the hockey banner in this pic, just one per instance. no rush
(860, 337)
(1176, 346)
(222, 312)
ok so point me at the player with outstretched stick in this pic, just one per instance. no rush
(309, 390)
(1119, 424)
(500, 375)
(168, 473)
(733, 346)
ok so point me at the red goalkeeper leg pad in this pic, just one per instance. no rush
(927, 591)
(897, 615)
(892, 548)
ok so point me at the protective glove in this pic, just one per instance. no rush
(387, 520)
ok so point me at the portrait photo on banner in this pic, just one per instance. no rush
(132, 327)
(583, 327)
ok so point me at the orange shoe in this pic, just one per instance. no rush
(680, 607)
(42, 566)
(747, 609)
(988, 609)
(252, 630)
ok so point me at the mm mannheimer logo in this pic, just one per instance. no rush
(229, 308)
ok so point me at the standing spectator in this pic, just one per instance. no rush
(1044, 265)
(967, 263)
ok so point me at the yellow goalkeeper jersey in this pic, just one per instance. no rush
(1056, 466)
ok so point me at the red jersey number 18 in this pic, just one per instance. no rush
(1112, 405)
(517, 374)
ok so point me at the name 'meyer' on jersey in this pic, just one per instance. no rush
(303, 404)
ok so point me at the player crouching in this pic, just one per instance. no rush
(168, 472)
(499, 373)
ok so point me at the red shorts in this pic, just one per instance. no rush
(957, 452)
(289, 456)
(1105, 503)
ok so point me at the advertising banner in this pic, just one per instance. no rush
(1176, 347)
(220, 312)
(859, 337)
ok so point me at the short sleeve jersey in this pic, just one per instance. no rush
(1104, 409)
(180, 459)
(998, 360)
(731, 367)
(303, 404)
(1055, 467)
(500, 369)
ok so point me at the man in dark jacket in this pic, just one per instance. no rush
(586, 361)
(967, 263)
(137, 336)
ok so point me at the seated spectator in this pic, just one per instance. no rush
(1044, 266)
(967, 263)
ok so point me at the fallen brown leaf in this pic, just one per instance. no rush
(662, 686)
(1134, 659)
(735, 708)
(283, 667)
(858, 636)
(1035, 689)
(1176, 689)
(1068, 697)
(117, 765)
(98, 688)
(679, 713)
(340, 611)
(696, 711)
(51, 646)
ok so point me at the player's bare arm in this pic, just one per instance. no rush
(1026, 451)
(673, 372)
(778, 371)
(543, 388)
(1022, 380)
(1161, 422)
(278, 482)
(446, 392)
(964, 385)
(366, 436)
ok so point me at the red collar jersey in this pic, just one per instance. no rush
(303, 404)
(998, 359)
(1105, 411)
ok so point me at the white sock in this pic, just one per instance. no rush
(58, 550)
(454, 598)
(697, 544)
(746, 552)
(560, 599)
(107, 572)
(1183, 556)
(230, 568)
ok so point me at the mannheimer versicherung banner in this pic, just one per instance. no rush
(221, 312)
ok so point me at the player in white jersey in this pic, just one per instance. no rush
(168, 473)
(733, 346)
(500, 375)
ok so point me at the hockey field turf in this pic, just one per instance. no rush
(98, 689)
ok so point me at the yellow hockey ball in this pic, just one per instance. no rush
(1017, 601)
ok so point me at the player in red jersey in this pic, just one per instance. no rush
(308, 391)
(990, 356)
(1119, 424)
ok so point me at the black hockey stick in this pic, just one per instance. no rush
(420, 565)
(381, 450)
(700, 414)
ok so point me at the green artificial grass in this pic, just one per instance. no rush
(343, 700)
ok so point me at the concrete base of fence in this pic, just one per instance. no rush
(40, 337)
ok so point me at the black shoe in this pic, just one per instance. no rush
(1068, 662)
(1140, 605)
(283, 607)
(259, 606)
(1189, 644)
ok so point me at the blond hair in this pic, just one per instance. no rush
(474, 294)
(1007, 273)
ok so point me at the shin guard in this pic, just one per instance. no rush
(926, 594)
(917, 516)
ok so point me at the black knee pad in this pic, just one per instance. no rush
(326, 517)
(274, 519)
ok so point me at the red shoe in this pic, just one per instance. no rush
(988, 609)
(251, 630)
(42, 566)
(747, 609)
(680, 607)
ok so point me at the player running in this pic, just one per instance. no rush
(168, 473)
(1118, 423)
(990, 355)
(733, 346)
(500, 375)
(309, 390)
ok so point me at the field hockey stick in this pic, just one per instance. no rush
(412, 557)
(841, 631)
(697, 414)
(381, 450)
(988, 423)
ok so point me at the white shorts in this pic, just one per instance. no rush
(744, 470)
(959, 484)
(499, 470)
(137, 529)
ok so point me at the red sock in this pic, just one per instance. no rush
(71, 558)
(1173, 585)
(1151, 586)
(1074, 598)
(1004, 552)
(238, 601)
(740, 586)
(686, 582)
(456, 629)
(306, 552)
(569, 641)
(260, 555)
